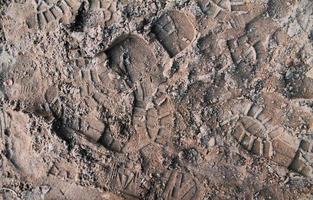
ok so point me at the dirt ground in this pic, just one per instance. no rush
(156, 99)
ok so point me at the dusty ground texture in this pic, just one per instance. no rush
(155, 99)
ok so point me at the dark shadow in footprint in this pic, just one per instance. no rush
(64, 132)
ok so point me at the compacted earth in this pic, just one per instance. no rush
(156, 99)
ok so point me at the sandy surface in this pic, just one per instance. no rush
(155, 99)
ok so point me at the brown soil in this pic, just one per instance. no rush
(155, 99)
